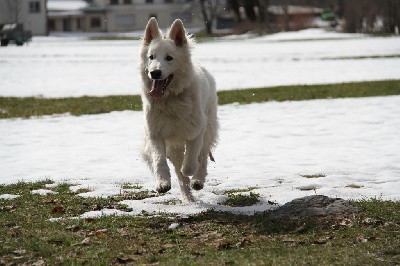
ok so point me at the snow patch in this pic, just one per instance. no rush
(99, 68)
(9, 196)
(43, 192)
(284, 150)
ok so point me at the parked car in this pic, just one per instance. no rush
(14, 33)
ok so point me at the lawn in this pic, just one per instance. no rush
(212, 238)
(44, 229)
(11, 107)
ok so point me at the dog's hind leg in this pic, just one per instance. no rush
(175, 155)
(190, 163)
(199, 178)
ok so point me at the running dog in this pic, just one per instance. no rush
(180, 109)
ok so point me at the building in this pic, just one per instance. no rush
(294, 17)
(75, 16)
(117, 15)
(30, 13)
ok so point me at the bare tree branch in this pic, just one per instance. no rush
(209, 10)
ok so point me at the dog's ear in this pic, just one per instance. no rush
(152, 31)
(177, 33)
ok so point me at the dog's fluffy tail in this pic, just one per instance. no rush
(211, 157)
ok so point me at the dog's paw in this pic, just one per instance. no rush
(188, 199)
(163, 187)
(196, 184)
(189, 169)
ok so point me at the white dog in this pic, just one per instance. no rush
(180, 109)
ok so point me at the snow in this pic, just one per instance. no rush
(173, 226)
(338, 147)
(43, 192)
(75, 66)
(8, 196)
(66, 5)
(309, 34)
(272, 147)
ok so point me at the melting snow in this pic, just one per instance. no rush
(8, 196)
(111, 67)
(345, 148)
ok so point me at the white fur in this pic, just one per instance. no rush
(181, 126)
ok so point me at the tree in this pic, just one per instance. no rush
(12, 8)
(209, 10)
(235, 6)
(250, 11)
(263, 10)
(249, 6)
(391, 15)
(361, 15)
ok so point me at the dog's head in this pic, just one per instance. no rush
(165, 62)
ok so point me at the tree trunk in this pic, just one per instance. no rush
(287, 19)
(234, 5)
(249, 8)
(206, 17)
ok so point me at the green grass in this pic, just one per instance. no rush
(27, 236)
(27, 107)
(314, 175)
(354, 186)
(362, 57)
(241, 200)
(12, 107)
(114, 38)
(299, 93)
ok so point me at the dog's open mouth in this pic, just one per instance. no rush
(159, 86)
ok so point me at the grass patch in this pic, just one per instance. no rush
(237, 199)
(139, 195)
(114, 38)
(83, 190)
(30, 106)
(362, 57)
(314, 175)
(11, 107)
(239, 190)
(298, 93)
(308, 188)
(212, 238)
(130, 186)
(354, 186)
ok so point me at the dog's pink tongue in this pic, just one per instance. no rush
(157, 89)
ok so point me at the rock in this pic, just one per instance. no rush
(313, 211)
(314, 206)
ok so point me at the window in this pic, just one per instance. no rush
(34, 7)
(127, 2)
(113, 2)
(168, 1)
(51, 25)
(149, 1)
(95, 22)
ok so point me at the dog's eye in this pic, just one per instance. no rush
(169, 58)
(151, 57)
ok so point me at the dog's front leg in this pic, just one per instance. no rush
(160, 165)
(191, 158)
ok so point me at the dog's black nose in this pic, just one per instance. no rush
(155, 74)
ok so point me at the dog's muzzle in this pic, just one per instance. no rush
(159, 86)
